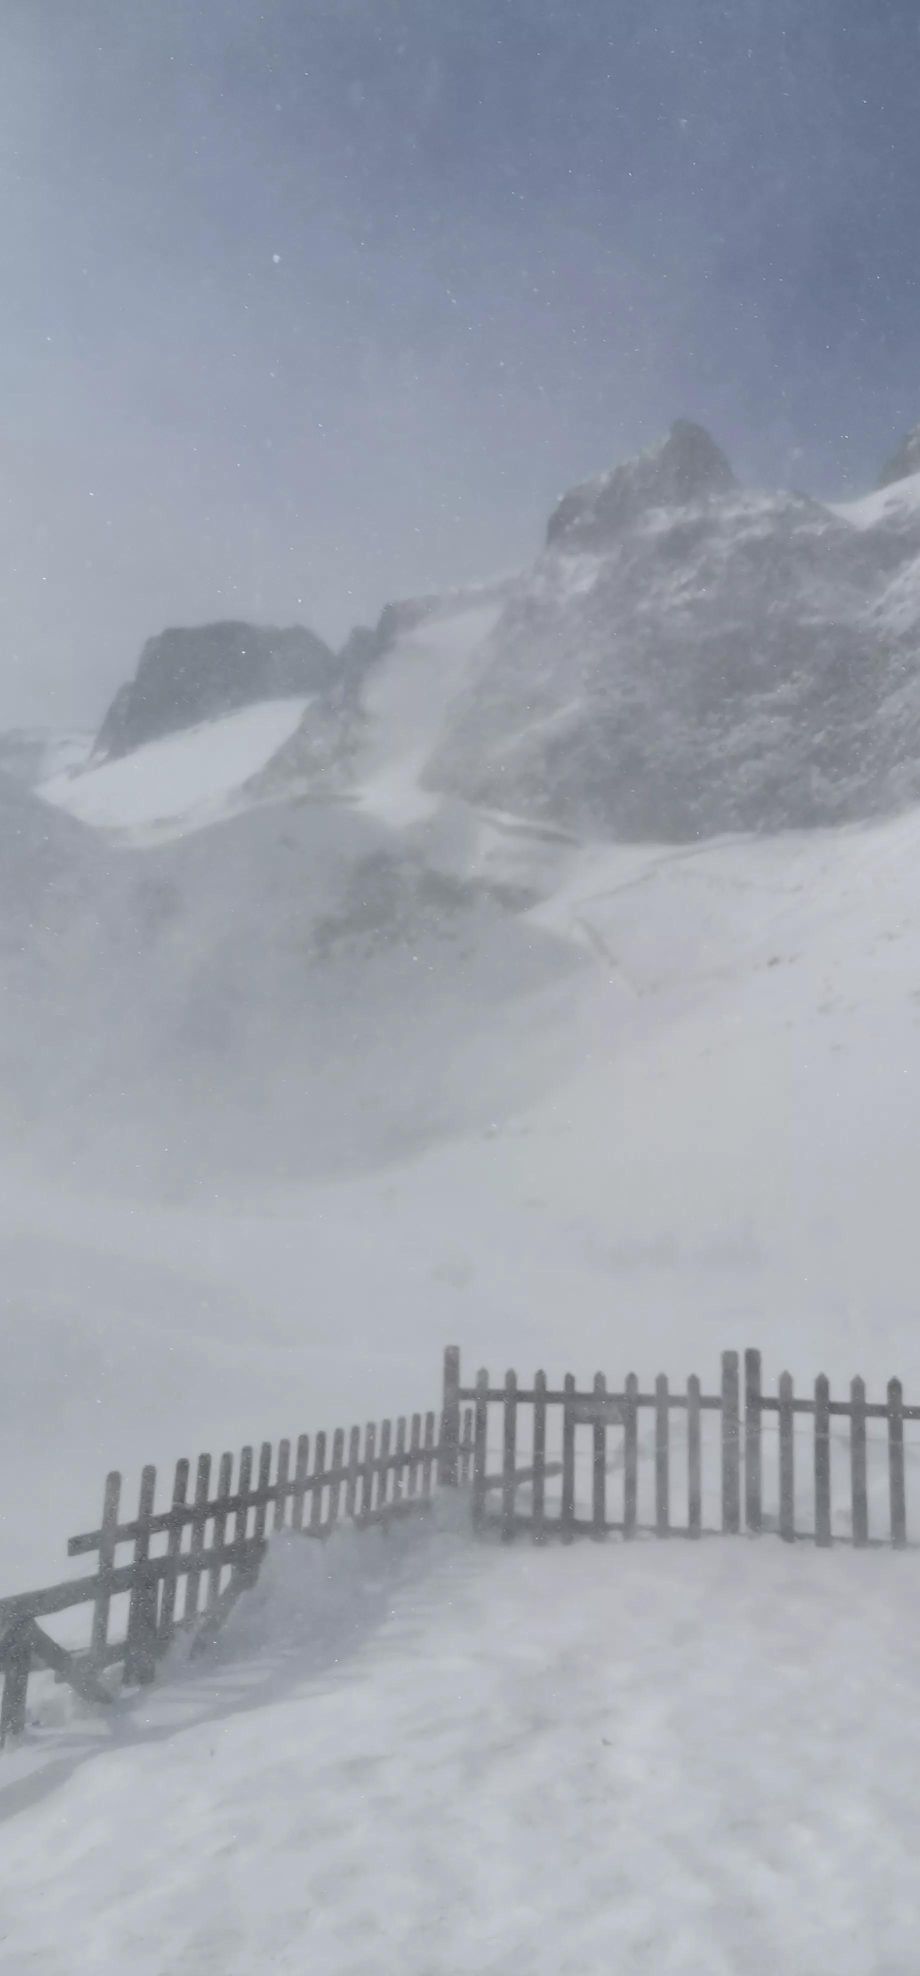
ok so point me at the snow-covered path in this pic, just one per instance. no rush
(418, 1758)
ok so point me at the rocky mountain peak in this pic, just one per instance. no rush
(903, 462)
(685, 468)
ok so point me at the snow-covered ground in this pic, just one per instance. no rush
(183, 782)
(698, 1130)
(419, 1758)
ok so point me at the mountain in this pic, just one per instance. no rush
(195, 673)
(689, 657)
(904, 462)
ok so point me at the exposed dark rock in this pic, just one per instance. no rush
(686, 467)
(195, 673)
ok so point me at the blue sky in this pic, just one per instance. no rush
(318, 302)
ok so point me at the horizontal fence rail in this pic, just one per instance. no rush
(190, 1561)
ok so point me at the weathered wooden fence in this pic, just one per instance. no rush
(556, 1461)
(563, 1461)
(214, 1540)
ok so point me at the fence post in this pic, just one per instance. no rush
(662, 1457)
(568, 1460)
(858, 1490)
(480, 1449)
(753, 1506)
(786, 1459)
(449, 1453)
(539, 1458)
(107, 1544)
(599, 1464)
(140, 1655)
(694, 1459)
(822, 1461)
(631, 1456)
(15, 1665)
(731, 1481)
(509, 1457)
(896, 1463)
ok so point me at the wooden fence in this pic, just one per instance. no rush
(561, 1461)
(556, 1461)
(214, 1540)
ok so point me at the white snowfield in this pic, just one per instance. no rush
(418, 1758)
(185, 781)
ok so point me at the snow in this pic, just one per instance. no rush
(183, 782)
(406, 705)
(669, 1108)
(900, 501)
(417, 1755)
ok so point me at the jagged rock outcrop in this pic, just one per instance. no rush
(690, 658)
(687, 467)
(197, 672)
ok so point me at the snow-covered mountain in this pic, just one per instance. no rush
(689, 657)
(256, 899)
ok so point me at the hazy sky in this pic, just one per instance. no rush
(314, 303)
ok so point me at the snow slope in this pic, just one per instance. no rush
(183, 782)
(422, 1757)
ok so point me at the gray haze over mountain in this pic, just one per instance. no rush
(312, 306)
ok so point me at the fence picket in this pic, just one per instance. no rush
(354, 1465)
(367, 1472)
(480, 1448)
(858, 1490)
(599, 1465)
(631, 1457)
(568, 1459)
(822, 1461)
(219, 1532)
(896, 1463)
(662, 1457)
(139, 1654)
(16, 1661)
(301, 1471)
(318, 1484)
(263, 1485)
(694, 1458)
(383, 1470)
(193, 1580)
(173, 1547)
(786, 1459)
(428, 1455)
(281, 1484)
(244, 1491)
(99, 1638)
(509, 1455)
(335, 1486)
(539, 1458)
(731, 1480)
(450, 1421)
(466, 1446)
(753, 1505)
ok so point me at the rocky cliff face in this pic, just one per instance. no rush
(193, 674)
(689, 658)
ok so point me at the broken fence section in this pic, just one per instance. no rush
(184, 1566)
